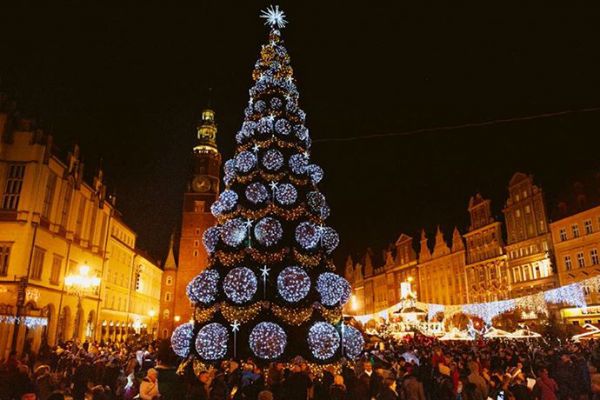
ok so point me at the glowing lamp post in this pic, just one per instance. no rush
(80, 284)
(177, 318)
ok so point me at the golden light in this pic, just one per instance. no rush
(353, 303)
(151, 313)
(82, 280)
(177, 318)
(410, 279)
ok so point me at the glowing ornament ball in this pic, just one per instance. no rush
(293, 284)
(333, 289)
(257, 193)
(211, 342)
(353, 342)
(203, 288)
(181, 339)
(286, 194)
(240, 285)
(276, 103)
(323, 340)
(283, 127)
(268, 231)
(308, 235)
(210, 238)
(298, 164)
(273, 160)
(265, 125)
(233, 232)
(329, 239)
(315, 172)
(245, 161)
(267, 340)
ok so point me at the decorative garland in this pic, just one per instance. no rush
(202, 315)
(333, 315)
(292, 316)
(241, 314)
(271, 209)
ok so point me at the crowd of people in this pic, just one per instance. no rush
(414, 368)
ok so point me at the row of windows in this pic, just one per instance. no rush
(581, 262)
(525, 251)
(588, 229)
(122, 236)
(529, 272)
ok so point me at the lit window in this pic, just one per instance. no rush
(14, 184)
(168, 296)
(169, 280)
(527, 209)
(4, 257)
(594, 256)
(588, 226)
(568, 264)
(580, 260)
(518, 213)
(575, 229)
(563, 234)
(195, 253)
(37, 264)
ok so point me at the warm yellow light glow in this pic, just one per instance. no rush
(151, 313)
(410, 279)
(82, 280)
(177, 318)
(354, 303)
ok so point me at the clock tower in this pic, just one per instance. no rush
(202, 190)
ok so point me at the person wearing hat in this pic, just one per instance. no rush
(149, 386)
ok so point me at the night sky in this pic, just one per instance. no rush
(128, 83)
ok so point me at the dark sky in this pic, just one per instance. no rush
(128, 83)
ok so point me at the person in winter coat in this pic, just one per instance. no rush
(364, 384)
(198, 389)
(149, 386)
(519, 389)
(297, 384)
(412, 388)
(218, 387)
(545, 387)
(388, 392)
(337, 391)
(476, 379)
(566, 379)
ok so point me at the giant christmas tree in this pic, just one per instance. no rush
(270, 291)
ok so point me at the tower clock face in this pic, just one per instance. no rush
(201, 184)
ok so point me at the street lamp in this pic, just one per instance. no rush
(80, 284)
(177, 318)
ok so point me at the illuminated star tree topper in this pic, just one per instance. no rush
(274, 17)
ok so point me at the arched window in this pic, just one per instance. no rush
(169, 280)
(166, 314)
(168, 296)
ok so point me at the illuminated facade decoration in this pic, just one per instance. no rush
(379, 288)
(442, 272)
(202, 191)
(529, 242)
(51, 223)
(487, 273)
(576, 238)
